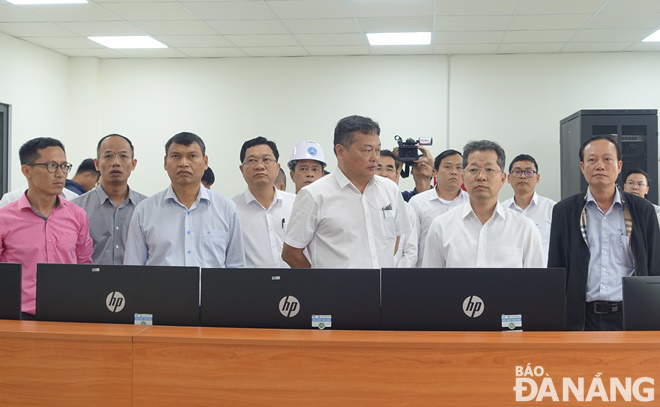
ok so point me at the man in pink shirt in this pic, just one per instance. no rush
(40, 227)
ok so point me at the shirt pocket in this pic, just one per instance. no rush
(214, 246)
(388, 224)
(507, 257)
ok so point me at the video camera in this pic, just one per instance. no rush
(409, 153)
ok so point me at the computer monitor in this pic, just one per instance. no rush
(10, 291)
(114, 294)
(473, 299)
(641, 303)
(291, 298)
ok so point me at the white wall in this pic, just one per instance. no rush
(34, 81)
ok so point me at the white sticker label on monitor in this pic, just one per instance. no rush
(144, 319)
(512, 322)
(321, 321)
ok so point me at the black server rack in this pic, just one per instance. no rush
(636, 132)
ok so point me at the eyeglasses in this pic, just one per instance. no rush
(253, 161)
(52, 166)
(639, 184)
(519, 173)
(474, 172)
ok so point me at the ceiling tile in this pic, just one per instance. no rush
(339, 50)
(193, 41)
(289, 9)
(262, 40)
(459, 49)
(472, 23)
(596, 46)
(332, 39)
(468, 37)
(531, 48)
(649, 20)
(213, 52)
(150, 11)
(391, 24)
(275, 51)
(174, 27)
(138, 1)
(323, 26)
(13, 14)
(152, 53)
(538, 36)
(614, 35)
(645, 47)
(90, 52)
(34, 30)
(559, 6)
(392, 8)
(402, 50)
(549, 22)
(103, 28)
(64, 42)
(468, 7)
(73, 12)
(231, 10)
(248, 27)
(631, 6)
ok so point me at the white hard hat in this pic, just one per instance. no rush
(307, 150)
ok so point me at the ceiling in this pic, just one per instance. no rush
(257, 28)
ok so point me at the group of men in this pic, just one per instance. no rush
(350, 218)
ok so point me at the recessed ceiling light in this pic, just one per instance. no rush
(24, 2)
(123, 42)
(420, 38)
(655, 37)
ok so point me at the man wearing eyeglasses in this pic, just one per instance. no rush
(40, 227)
(523, 177)
(638, 183)
(186, 224)
(482, 232)
(264, 210)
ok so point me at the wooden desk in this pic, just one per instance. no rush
(65, 364)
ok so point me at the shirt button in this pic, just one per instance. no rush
(117, 228)
(117, 247)
(188, 232)
(188, 251)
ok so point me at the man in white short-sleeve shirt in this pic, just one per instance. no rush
(446, 195)
(482, 232)
(523, 177)
(350, 218)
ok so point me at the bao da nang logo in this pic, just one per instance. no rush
(534, 384)
(115, 301)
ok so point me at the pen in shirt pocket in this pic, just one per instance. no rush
(283, 223)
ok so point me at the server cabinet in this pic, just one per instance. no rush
(636, 132)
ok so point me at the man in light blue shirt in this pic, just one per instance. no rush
(186, 224)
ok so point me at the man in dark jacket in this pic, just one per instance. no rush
(600, 236)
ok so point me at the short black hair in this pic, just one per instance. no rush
(388, 153)
(351, 124)
(281, 177)
(442, 156)
(98, 146)
(523, 157)
(29, 151)
(87, 166)
(257, 141)
(185, 139)
(485, 145)
(208, 176)
(638, 171)
(601, 137)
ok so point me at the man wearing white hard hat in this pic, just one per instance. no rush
(307, 163)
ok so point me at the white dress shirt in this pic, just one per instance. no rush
(539, 211)
(506, 240)
(264, 229)
(406, 255)
(14, 195)
(428, 206)
(164, 232)
(343, 228)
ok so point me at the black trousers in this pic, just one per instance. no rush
(612, 321)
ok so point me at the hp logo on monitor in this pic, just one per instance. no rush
(473, 306)
(289, 306)
(115, 301)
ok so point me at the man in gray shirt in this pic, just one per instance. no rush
(110, 206)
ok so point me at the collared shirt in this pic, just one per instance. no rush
(27, 237)
(14, 195)
(164, 232)
(539, 211)
(343, 228)
(609, 246)
(108, 224)
(428, 206)
(74, 187)
(264, 229)
(406, 255)
(506, 240)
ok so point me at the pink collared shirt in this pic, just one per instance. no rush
(28, 238)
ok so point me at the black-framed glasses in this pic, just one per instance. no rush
(52, 166)
(529, 173)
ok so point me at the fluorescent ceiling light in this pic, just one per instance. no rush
(421, 38)
(655, 37)
(23, 2)
(123, 42)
